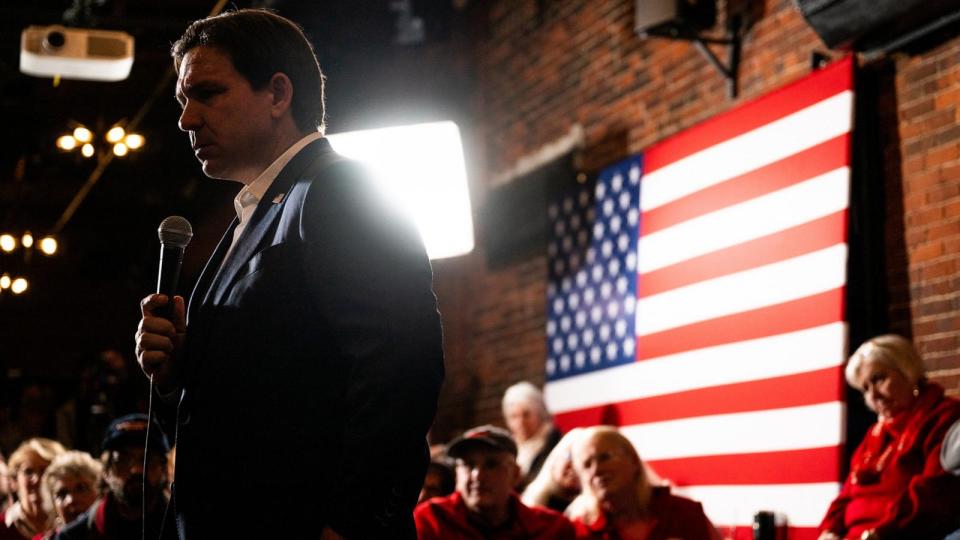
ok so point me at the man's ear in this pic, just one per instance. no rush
(281, 94)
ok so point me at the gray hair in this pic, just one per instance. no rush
(526, 393)
(891, 350)
(71, 463)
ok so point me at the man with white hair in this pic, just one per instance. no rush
(531, 425)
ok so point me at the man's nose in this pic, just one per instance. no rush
(189, 119)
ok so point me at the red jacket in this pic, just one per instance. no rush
(444, 518)
(673, 517)
(896, 485)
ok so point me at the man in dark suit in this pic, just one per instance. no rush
(306, 370)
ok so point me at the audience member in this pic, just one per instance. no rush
(484, 506)
(27, 517)
(950, 453)
(557, 483)
(69, 487)
(621, 502)
(532, 427)
(439, 481)
(950, 461)
(118, 515)
(897, 487)
(6, 497)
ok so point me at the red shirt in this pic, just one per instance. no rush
(896, 485)
(442, 518)
(672, 517)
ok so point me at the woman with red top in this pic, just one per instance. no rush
(896, 487)
(619, 501)
(27, 517)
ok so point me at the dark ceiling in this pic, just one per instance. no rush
(85, 298)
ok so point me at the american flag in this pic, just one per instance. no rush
(696, 299)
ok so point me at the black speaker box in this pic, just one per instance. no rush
(870, 25)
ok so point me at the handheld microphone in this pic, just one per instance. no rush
(175, 233)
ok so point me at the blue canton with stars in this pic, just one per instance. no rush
(592, 292)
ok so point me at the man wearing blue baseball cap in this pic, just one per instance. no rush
(118, 514)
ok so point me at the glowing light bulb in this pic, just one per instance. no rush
(120, 149)
(87, 150)
(27, 240)
(48, 245)
(82, 134)
(66, 142)
(5, 281)
(19, 285)
(115, 134)
(7, 242)
(133, 141)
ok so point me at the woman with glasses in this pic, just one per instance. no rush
(27, 517)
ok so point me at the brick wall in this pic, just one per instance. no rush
(544, 65)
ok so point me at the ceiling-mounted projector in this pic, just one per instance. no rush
(76, 53)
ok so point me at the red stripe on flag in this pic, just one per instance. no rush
(809, 388)
(743, 532)
(809, 465)
(791, 98)
(812, 236)
(815, 310)
(805, 165)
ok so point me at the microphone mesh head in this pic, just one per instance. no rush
(175, 231)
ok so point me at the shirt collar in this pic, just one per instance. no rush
(251, 193)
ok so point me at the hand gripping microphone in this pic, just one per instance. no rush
(175, 233)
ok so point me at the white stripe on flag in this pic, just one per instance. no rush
(758, 287)
(804, 504)
(752, 150)
(791, 428)
(756, 359)
(800, 203)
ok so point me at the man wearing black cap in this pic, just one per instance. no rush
(484, 506)
(118, 514)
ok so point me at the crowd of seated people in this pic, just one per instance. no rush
(529, 482)
(56, 494)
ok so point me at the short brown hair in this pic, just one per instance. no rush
(261, 43)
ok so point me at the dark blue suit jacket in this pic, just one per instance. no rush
(311, 367)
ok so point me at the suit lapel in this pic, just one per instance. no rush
(198, 297)
(263, 219)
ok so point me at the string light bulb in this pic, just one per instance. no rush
(87, 150)
(133, 141)
(19, 285)
(48, 245)
(27, 240)
(115, 134)
(5, 281)
(83, 134)
(7, 242)
(66, 142)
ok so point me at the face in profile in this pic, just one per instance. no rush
(522, 420)
(606, 468)
(72, 495)
(229, 123)
(886, 391)
(485, 478)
